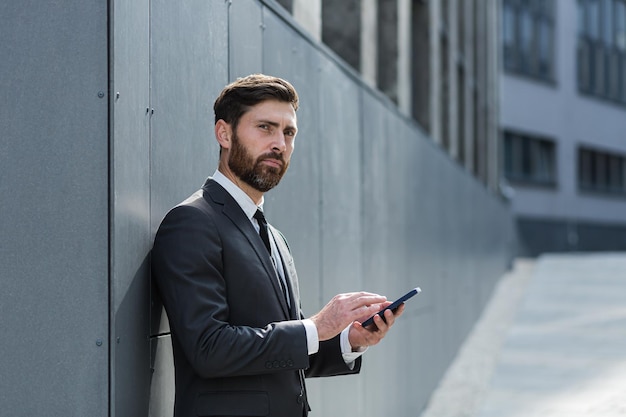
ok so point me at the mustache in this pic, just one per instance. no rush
(272, 155)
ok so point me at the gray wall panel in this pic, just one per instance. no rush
(54, 205)
(380, 273)
(245, 34)
(130, 216)
(162, 384)
(340, 222)
(189, 67)
(341, 180)
(130, 146)
(378, 188)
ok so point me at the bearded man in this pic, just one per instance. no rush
(242, 346)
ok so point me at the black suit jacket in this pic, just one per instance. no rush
(238, 350)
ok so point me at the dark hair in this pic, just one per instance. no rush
(237, 97)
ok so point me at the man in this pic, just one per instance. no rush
(227, 279)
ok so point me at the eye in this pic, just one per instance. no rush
(290, 133)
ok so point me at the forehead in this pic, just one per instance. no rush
(273, 111)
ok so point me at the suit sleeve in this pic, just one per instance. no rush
(328, 361)
(187, 268)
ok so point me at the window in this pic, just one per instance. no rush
(602, 48)
(601, 171)
(528, 37)
(529, 159)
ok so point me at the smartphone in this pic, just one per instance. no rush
(393, 306)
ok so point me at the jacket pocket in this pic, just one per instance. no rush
(237, 403)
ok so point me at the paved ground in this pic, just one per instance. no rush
(551, 343)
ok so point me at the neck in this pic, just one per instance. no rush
(254, 194)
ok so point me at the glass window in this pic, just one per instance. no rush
(615, 174)
(543, 159)
(528, 37)
(545, 48)
(601, 171)
(602, 49)
(584, 168)
(529, 159)
(508, 35)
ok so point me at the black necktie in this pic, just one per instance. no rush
(263, 229)
(265, 238)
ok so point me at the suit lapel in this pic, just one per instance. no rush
(233, 211)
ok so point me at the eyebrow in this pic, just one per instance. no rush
(276, 124)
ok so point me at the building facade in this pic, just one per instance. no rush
(563, 122)
(436, 60)
(527, 95)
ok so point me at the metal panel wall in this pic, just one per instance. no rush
(340, 199)
(130, 209)
(54, 208)
(245, 29)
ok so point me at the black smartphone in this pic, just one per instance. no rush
(393, 306)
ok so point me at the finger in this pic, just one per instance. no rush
(380, 323)
(368, 300)
(399, 311)
(359, 336)
(365, 313)
(376, 301)
(390, 317)
(363, 294)
(359, 294)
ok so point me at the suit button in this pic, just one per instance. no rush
(268, 365)
(283, 364)
(275, 364)
(300, 399)
(290, 363)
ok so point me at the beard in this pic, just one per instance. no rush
(254, 173)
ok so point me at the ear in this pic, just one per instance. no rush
(223, 133)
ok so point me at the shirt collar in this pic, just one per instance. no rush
(244, 201)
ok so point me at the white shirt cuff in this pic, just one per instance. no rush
(312, 338)
(346, 349)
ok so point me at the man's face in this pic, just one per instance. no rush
(262, 144)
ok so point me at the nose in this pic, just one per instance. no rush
(280, 143)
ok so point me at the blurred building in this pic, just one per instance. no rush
(563, 122)
(436, 60)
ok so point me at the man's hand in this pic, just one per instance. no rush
(345, 309)
(361, 337)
